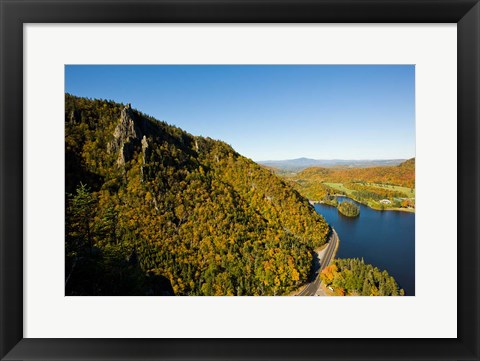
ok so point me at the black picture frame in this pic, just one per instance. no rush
(14, 14)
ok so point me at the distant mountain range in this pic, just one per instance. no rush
(296, 165)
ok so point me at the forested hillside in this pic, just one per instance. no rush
(153, 210)
(401, 175)
(353, 277)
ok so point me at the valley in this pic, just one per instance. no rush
(154, 210)
(380, 188)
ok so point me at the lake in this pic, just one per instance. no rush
(385, 239)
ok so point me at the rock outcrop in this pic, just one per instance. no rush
(145, 150)
(75, 117)
(127, 136)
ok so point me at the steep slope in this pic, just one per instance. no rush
(151, 209)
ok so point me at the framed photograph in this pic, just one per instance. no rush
(272, 165)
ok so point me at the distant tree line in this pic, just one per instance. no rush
(368, 191)
(401, 175)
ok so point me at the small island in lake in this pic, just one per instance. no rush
(349, 209)
(222, 200)
(381, 185)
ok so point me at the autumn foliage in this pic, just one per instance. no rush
(349, 209)
(183, 215)
(402, 175)
(353, 277)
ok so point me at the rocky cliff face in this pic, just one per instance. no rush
(191, 210)
(129, 136)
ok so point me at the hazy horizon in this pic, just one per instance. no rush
(333, 159)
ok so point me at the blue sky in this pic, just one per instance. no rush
(270, 112)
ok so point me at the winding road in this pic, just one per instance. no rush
(319, 264)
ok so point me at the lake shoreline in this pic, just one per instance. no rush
(407, 210)
(385, 240)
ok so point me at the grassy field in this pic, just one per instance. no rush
(370, 202)
(339, 187)
(371, 185)
(408, 191)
